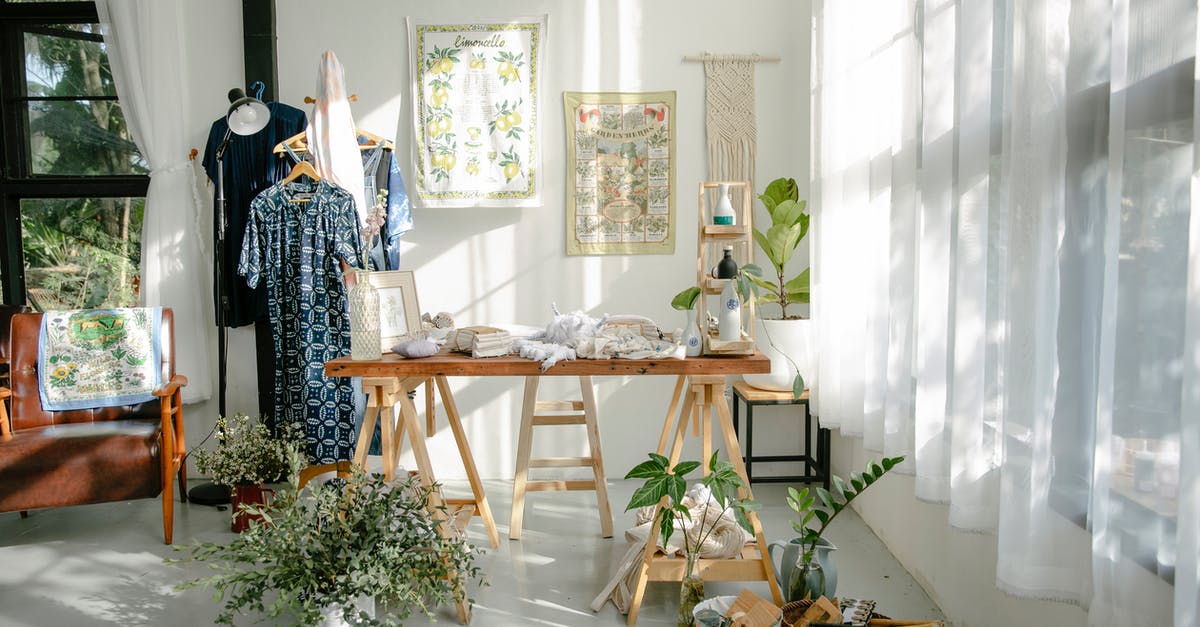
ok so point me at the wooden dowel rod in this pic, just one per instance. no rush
(764, 58)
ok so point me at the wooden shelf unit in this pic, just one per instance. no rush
(711, 241)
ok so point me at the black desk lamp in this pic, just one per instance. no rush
(247, 115)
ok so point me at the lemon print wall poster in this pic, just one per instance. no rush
(475, 110)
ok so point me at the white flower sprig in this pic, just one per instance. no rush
(248, 454)
(373, 225)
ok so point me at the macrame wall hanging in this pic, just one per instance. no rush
(729, 119)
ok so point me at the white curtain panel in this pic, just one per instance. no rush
(145, 50)
(1006, 264)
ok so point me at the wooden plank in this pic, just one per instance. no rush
(542, 421)
(524, 446)
(666, 430)
(734, 452)
(756, 395)
(430, 414)
(468, 459)
(591, 413)
(459, 365)
(639, 586)
(560, 486)
(561, 462)
(549, 406)
(663, 569)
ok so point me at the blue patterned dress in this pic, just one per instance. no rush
(295, 247)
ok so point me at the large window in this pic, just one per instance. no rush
(72, 182)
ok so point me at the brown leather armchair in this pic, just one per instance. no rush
(6, 314)
(58, 458)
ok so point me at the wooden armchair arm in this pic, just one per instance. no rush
(5, 427)
(176, 382)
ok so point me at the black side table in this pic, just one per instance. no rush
(816, 466)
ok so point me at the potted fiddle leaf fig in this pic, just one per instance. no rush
(720, 487)
(803, 572)
(787, 338)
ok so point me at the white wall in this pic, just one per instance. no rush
(494, 265)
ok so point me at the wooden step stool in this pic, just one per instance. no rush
(535, 413)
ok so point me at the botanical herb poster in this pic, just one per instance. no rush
(475, 102)
(620, 173)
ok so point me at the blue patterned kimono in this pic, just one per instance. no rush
(295, 247)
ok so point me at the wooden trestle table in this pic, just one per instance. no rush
(700, 384)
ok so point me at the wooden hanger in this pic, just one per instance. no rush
(299, 142)
(311, 100)
(303, 168)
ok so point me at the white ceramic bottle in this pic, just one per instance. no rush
(729, 325)
(723, 213)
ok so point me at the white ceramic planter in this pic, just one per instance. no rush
(793, 337)
(332, 615)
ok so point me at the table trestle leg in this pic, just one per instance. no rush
(535, 413)
(705, 398)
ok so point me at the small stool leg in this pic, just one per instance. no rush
(749, 443)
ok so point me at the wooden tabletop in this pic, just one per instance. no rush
(461, 365)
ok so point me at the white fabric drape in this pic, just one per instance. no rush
(144, 43)
(1006, 279)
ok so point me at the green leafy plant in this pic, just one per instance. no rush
(686, 299)
(824, 505)
(248, 453)
(327, 545)
(789, 225)
(666, 482)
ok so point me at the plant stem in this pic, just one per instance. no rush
(783, 299)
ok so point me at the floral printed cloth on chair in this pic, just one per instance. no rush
(99, 357)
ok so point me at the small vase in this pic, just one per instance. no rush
(332, 615)
(246, 494)
(730, 316)
(691, 592)
(723, 211)
(365, 343)
(808, 581)
(693, 342)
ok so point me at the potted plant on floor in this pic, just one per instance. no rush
(718, 490)
(246, 458)
(800, 571)
(786, 340)
(331, 550)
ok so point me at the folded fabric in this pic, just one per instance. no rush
(480, 341)
(99, 357)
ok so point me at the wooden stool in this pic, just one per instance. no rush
(816, 466)
(535, 413)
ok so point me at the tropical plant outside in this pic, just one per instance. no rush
(79, 252)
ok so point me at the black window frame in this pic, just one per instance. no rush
(17, 181)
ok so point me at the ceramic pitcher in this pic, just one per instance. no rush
(789, 557)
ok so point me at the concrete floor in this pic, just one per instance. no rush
(101, 564)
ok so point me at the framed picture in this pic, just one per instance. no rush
(399, 313)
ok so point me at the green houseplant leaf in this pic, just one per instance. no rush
(686, 299)
(828, 504)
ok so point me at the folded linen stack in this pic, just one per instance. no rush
(480, 341)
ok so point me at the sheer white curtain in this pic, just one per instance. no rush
(145, 50)
(1006, 265)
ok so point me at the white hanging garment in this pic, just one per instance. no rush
(332, 138)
